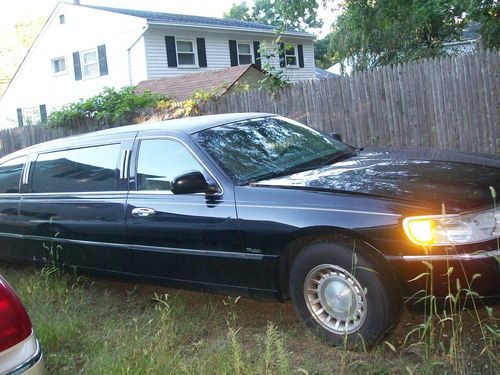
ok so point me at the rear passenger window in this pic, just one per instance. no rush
(10, 175)
(160, 161)
(79, 170)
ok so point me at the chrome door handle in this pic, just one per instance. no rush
(143, 212)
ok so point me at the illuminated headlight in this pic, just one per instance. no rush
(442, 230)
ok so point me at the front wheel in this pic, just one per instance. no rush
(343, 293)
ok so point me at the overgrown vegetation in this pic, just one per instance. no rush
(95, 326)
(110, 107)
(369, 33)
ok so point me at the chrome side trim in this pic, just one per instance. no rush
(26, 173)
(443, 257)
(126, 164)
(29, 363)
(122, 164)
(319, 209)
(169, 250)
(75, 193)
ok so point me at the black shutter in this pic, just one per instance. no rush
(233, 53)
(202, 52)
(301, 55)
(256, 53)
(77, 66)
(282, 55)
(43, 113)
(103, 62)
(20, 117)
(171, 51)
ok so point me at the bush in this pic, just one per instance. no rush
(110, 107)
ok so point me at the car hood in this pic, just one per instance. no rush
(460, 181)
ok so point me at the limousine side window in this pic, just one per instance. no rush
(160, 161)
(10, 175)
(78, 170)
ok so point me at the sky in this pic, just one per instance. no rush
(13, 11)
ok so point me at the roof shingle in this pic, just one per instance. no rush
(188, 20)
(182, 87)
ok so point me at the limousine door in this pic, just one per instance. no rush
(73, 212)
(191, 239)
(10, 179)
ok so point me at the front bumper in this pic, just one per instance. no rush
(442, 274)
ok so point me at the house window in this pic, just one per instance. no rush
(291, 55)
(31, 116)
(244, 53)
(90, 63)
(62, 20)
(186, 55)
(59, 65)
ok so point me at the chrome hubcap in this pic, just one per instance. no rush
(335, 299)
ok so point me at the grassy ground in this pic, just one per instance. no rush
(96, 326)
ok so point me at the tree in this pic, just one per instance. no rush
(240, 12)
(372, 33)
(323, 58)
(294, 14)
(487, 14)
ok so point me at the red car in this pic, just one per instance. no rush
(20, 352)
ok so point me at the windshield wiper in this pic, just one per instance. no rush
(330, 159)
(306, 166)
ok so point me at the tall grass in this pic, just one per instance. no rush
(441, 338)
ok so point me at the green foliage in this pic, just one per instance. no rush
(372, 33)
(487, 13)
(323, 58)
(110, 107)
(274, 77)
(295, 14)
(239, 12)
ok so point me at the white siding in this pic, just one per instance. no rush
(137, 62)
(135, 52)
(217, 48)
(84, 28)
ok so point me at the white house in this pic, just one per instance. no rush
(82, 49)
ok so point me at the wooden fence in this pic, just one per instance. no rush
(448, 103)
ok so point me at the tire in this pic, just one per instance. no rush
(348, 297)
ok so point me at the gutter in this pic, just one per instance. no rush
(129, 63)
(243, 29)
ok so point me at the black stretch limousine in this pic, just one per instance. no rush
(256, 204)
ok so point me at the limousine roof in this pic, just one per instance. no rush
(188, 125)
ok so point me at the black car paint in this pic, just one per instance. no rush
(234, 240)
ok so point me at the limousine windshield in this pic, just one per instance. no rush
(256, 149)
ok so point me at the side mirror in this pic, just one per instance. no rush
(336, 136)
(190, 183)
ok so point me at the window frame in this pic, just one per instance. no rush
(251, 54)
(83, 65)
(205, 170)
(26, 113)
(194, 53)
(62, 72)
(33, 159)
(296, 55)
